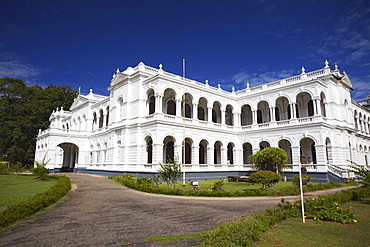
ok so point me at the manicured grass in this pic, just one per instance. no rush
(17, 188)
(229, 186)
(292, 232)
(242, 186)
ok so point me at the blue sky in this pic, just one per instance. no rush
(82, 43)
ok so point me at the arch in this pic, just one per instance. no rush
(203, 147)
(203, 109)
(94, 122)
(217, 152)
(151, 101)
(101, 118)
(149, 150)
(216, 112)
(246, 117)
(287, 147)
(282, 109)
(107, 118)
(323, 104)
(229, 115)
(307, 151)
(187, 146)
(264, 144)
(187, 105)
(169, 101)
(70, 156)
(329, 151)
(247, 151)
(230, 153)
(304, 105)
(168, 148)
(263, 112)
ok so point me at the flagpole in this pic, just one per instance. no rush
(183, 119)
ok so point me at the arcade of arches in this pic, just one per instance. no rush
(225, 153)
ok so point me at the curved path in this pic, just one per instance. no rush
(101, 212)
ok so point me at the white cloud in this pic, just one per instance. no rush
(12, 65)
(349, 40)
(361, 87)
(242, 78)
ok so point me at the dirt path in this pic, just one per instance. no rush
(101, 212)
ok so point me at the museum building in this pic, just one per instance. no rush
(151, 115)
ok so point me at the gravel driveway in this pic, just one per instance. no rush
(100, 212)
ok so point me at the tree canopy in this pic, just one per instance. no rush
(23, 111)
(271, 159)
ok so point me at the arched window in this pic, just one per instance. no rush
(229, 115)
(151, 105)
(259, 116)
(187, 111)
(277, 114)
(247, 151)
(101, 118)
(149, 150)
(201, 113)
(171, 107)
(217, 153)
(230, 153)
(170, 152)
(214, 116)
(107, 119)
(187, 153)
(310, 108)
(94, 121)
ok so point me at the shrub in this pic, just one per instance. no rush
(170, 172)
(271, 159)
(40, 170)
(217, 186)
(36, 203)
(363, 174)
(247, 230)
(266, 178)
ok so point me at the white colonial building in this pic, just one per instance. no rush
(151, 115)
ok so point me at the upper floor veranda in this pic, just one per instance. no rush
(143, 94)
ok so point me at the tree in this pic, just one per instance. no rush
(270, 159)
(362, 173)
(266, 178)
(23, 111)
(170, 172)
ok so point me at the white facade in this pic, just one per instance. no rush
(151, 114)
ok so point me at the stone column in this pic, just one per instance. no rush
(195, 111)
(223, 117)
(178, 107)
(209, 114)
(158, 103)
(272, 114)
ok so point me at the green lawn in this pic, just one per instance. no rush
(229, 186)
(293, 232)
(241, 186)
(17, 188)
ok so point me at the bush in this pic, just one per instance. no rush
(363, 174)
(170, 172)
(245, 231)
(40, 170)
(266, 178)
(36, 203)
(271, 159)
(217, 186)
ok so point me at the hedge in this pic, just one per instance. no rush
(36, 203)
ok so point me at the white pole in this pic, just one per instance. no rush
(183, 121)
(301, 189)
